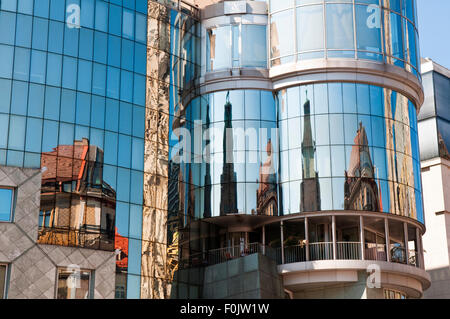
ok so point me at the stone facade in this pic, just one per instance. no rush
(33, 267)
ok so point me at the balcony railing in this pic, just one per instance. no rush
(375, 252)
(321, 251)
(348, 250)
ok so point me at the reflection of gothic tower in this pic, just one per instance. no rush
(310, 188)
(266, 195)
(207, 200)
(361, 190)
(228, 202)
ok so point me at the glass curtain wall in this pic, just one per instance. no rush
(72, 82)
(377, 30)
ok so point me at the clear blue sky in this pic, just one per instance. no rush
(434, 30)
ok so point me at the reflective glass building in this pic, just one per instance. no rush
(186, 150)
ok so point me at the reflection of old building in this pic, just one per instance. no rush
(228, 198)
(207, 201)
(266, 195)
(361, 191)
(310, 188)
(121, 246)
(77, 205)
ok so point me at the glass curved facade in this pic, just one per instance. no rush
(347, 146)
(237, 45)
(233, 166)
(377, 30)
(72, 87)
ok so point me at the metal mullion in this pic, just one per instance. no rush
(355, 44)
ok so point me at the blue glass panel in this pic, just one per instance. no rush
(124, 156)
(38, 66)
(6, 199)
(123, 184)
(68, 108)
(127, 54)
(138, 121)
(363, 98)
(50, 138)
(138, 154)
(122, 218)
(97, 137)
(83, 110)
(16, 140)
(139, 90)
(141, 28)
(14, 158)
(21, 64)
(19, 98)
(368, 28)
(10, 5)
(57, 10)
(69, 73)
(112, 115)
(113, 83)
(135, 221)
(54, 68)
(111, 147)
(340, 26)
(23, 30)
(36, 100)
(140, 58)
(126, 86)
(136, 191)
(41, 8)
(87, 13)
(86, 44)
(34, 135)
(40, 32)
(81, 132)
(128, 24)
(130, 4)
(335, 97)
(99, 79)
(8, 27)
(115, 19)
(5, 92)
(52, 102)
(56, 30)
(71, 41)
(98, 112)
(114, 51)
(100, 47)
(66, 134)
(141, 6)
(4, 123)
(84, 75)
(25, 6)
(101, 16)
(134, 258)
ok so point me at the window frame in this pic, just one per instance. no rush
(11, 213)
(5, 288)
(91, 284)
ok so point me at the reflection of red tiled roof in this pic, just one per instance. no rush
(65, 162)
(122, 244)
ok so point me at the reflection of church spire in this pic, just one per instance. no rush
(310, 188)
(266, 195)
(228, 202)
(361, 190)
(207, 201)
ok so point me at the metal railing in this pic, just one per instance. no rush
(348, 250)
(374, 251)
(321, 251)
(294, 254)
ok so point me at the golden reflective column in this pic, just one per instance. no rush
(154, 224)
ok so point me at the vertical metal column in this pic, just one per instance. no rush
(307, 238)
(361, 237)
(386, 234)
(333, 229)
(282, 241)
(264, 240)
(405, 234)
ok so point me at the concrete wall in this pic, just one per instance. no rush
(33, 267)
(436, 241)
(250, 277)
